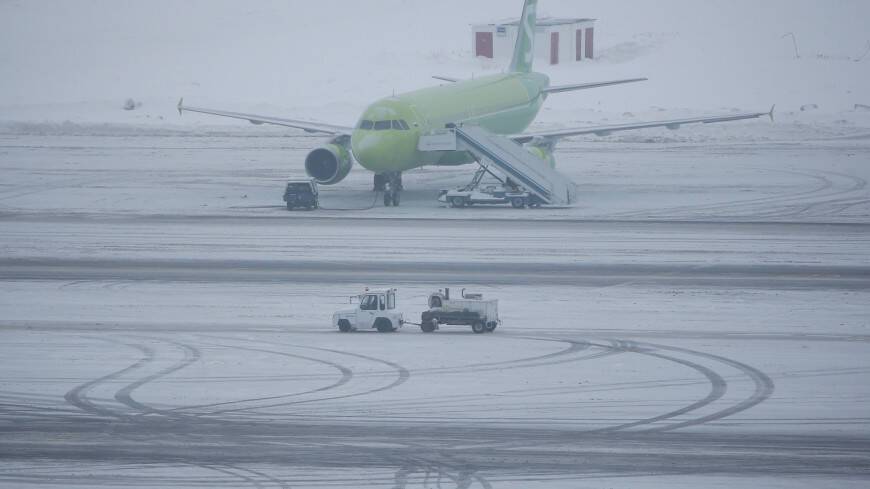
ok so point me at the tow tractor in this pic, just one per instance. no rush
(376, 309)
(301, 193)
(503, 192)
(469, 310)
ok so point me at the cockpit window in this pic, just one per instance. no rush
(396, 125)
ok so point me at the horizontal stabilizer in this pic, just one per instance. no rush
(587, 86)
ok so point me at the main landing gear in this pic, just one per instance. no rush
(391, 185)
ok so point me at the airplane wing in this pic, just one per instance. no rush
(607, 130)
(587, 86)
(307, 126)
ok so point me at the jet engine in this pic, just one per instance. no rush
(329, 164)
(543, 152)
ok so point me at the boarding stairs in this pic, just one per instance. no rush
(524, 168)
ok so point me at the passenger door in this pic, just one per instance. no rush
(368, 311)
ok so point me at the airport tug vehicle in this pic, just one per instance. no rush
(301, 194)
(469, 310)
(376, 309)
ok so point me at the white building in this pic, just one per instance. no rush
(557, 40)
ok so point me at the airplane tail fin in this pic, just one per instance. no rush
(524, 51)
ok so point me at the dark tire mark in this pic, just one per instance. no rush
(445, 400)
(718, 387)
(346, 376)
(263, 475)
(573, 347)
(242, 477)
(78, 395)
(403, 375)
(724, 206)
(124, 395)
(764, 388)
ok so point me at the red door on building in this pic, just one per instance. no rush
(579, 49)
(483, 41)
(590, 43)
(554, 48)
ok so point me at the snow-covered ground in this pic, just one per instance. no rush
(701, 319)
(797, 173)
(177, 384)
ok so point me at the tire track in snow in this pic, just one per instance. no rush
(764, 388)
(78, 396)
(124, 395)
(346, 375)
(724, 206)
(573, 347)
(718, 387)
(402, 374)
(576, 347)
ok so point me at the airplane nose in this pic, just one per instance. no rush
(367, 149)
(384, 151)
(365, 146)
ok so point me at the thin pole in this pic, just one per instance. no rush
(797, 53)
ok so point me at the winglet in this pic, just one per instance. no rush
(771, 113)
(180, 105)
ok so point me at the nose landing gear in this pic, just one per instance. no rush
(391, 185)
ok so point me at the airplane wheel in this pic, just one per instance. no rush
(396, 199)
(388, 199)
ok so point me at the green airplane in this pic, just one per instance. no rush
(389, 136)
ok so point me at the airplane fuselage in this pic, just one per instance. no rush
(386, 136)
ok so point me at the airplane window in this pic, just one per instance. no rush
(405, 125)
(382, 125)
(397, 126)
(366, 125)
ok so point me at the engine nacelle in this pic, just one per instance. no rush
(328, 165)
(542, 153)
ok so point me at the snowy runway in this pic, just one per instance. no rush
(693, 324)
(147, 406)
